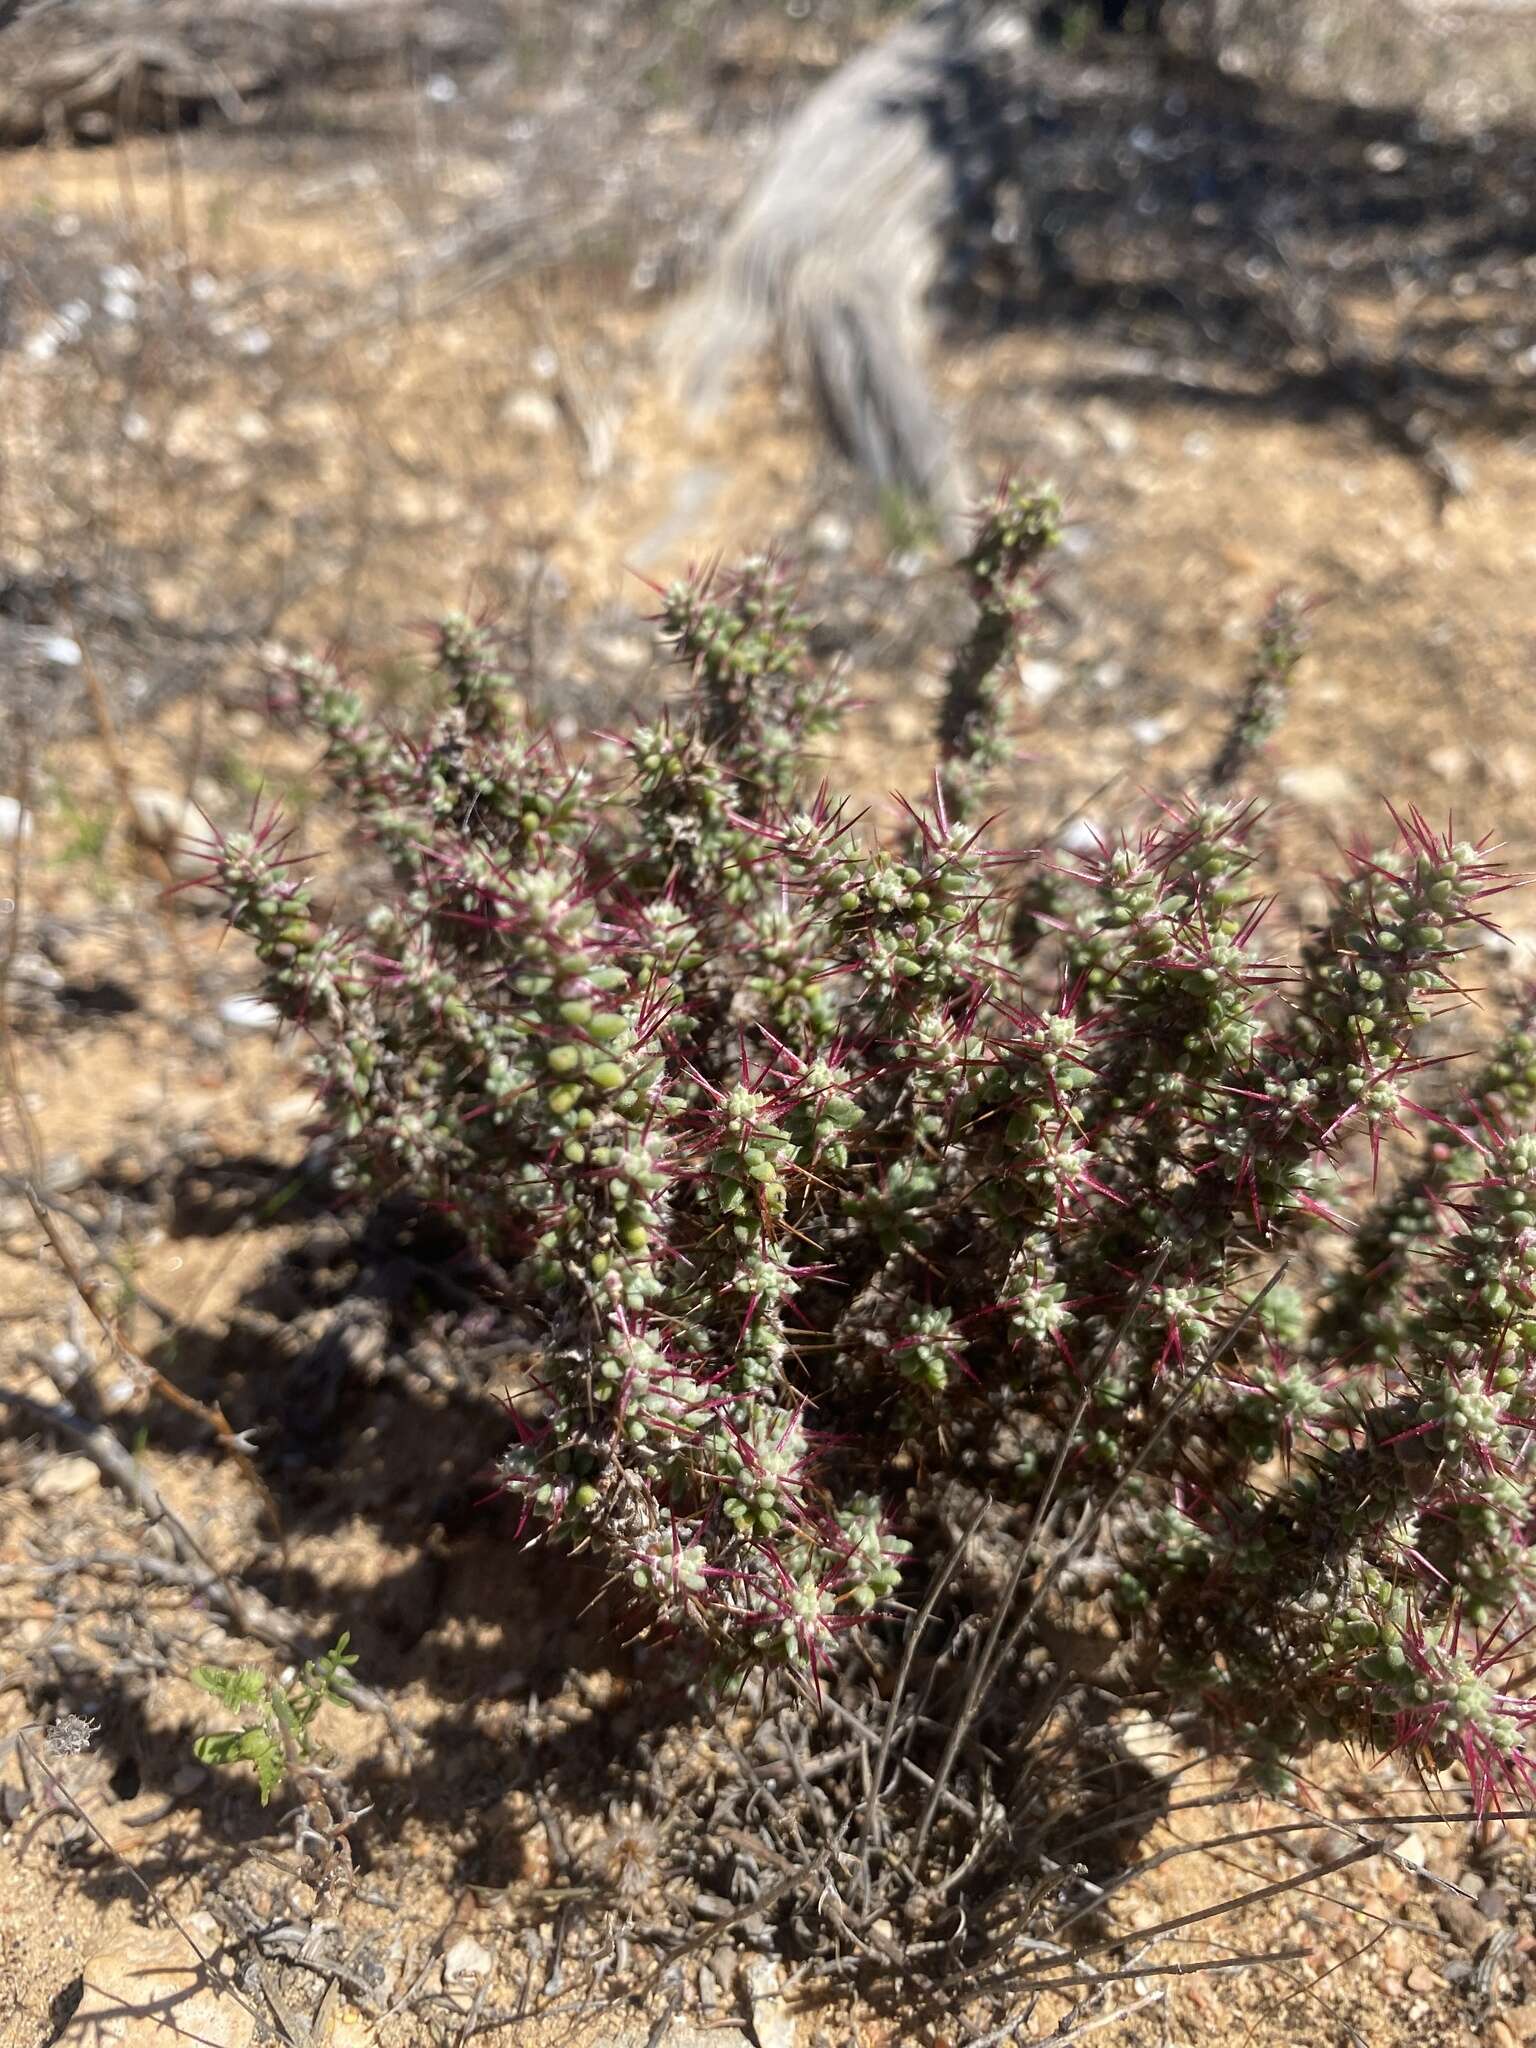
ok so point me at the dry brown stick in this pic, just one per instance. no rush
(1361, 1853)
(12, 938)
(996, 1647)
(909, 1651)
(1210, 1844)
(763, 1903)
(210, 1415)
(1196, 1966)
(250, 1613)
(118, 1465)
(1064, 2031)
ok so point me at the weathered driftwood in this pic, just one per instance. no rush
(95, 68)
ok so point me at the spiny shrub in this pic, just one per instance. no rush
(842, 1168)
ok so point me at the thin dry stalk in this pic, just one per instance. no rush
(988, 1662)
(152, 1897)
(249, 1613)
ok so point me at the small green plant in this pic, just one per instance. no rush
(275, 1737)
(908, 525)
(87, 834)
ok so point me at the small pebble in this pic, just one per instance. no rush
(1040, 680)
(249, 1013)
(772, 2022)
(292, 1109)
(15, 823)
(465, 1961)
(36, 975)
(118, 1394)
(1077, 540)
(161, 817)
(1113, 428)
(1411, 1849)
(63, 1478)
(531, 413)
(829, 534)
(1081, 836)
(63, 1173)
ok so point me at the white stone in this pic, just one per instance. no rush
(532, 413)
(1411, 1850)
(34, 972)
(1081, 836)
(249, 1013)
(829, 534)
(1146, 1740)
(772, 2023)
(466, 1962)
(63, 1478)
(15, 823)
(1113, 428)
(1040, 680)
(162, 817)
